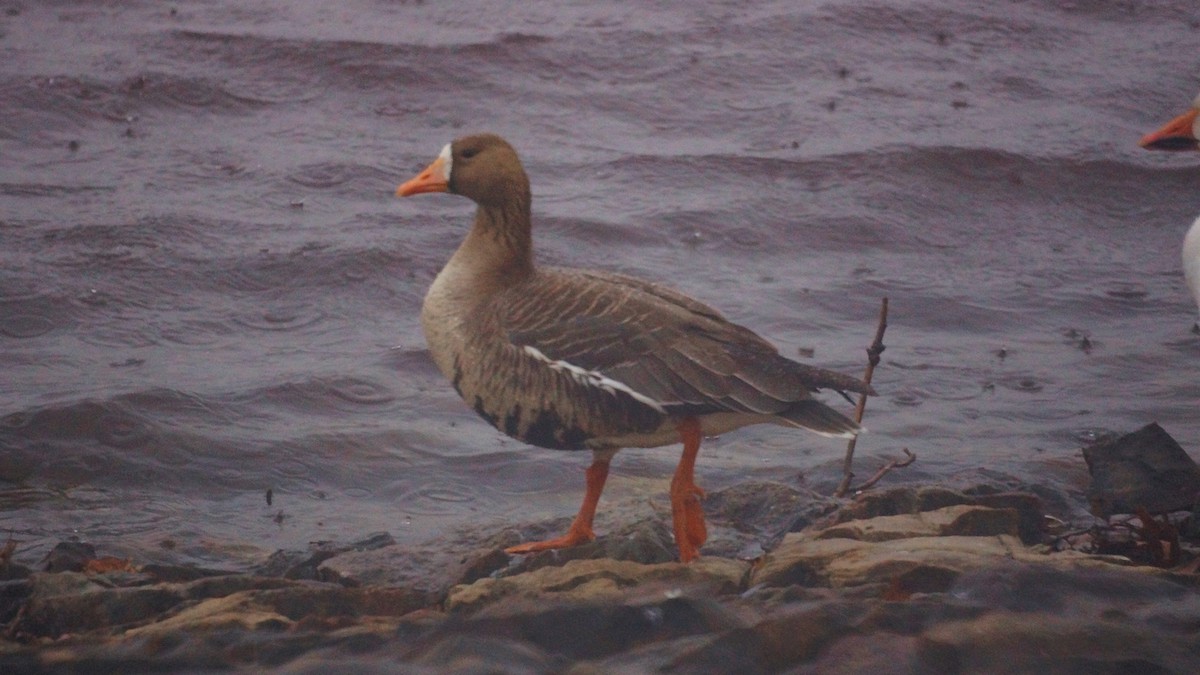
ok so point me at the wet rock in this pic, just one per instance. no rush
(309, 564)
(468, 653)
(216, 587)
(1005, 642)
(597, 628)
(907, 500)
(644, 541)
(767, 509)
(774, 643)
(179, 573)
(10, 570)
(906, 566)
(952, 520)
(1146, 468)
(855, 654)
(70, 602)
(423, 567)
(945, 587)
(68, 556)
(276, 607)
(603, 579)
(236, 611)
(13, 594)
(1031, 515)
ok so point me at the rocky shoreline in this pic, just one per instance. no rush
(909, 579)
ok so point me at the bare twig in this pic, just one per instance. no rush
(873, 354)
(883, 470)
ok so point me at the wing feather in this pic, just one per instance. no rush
(660, 343)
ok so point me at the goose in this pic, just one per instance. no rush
(572, 359)
(1183, 133)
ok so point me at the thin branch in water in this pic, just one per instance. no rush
(887, 468)
(873, 354)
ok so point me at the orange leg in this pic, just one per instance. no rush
(686, 513)
(580, 531)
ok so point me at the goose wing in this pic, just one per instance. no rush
(659, 344)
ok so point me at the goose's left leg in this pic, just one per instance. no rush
(580, 531)
(688, 517)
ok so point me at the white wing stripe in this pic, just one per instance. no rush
(593, 378)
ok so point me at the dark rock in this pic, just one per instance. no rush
(180, 573)
(68, 556)
(597, 630)
(304, 600)
(1146, 468)
(767, 509)
(69, 602)
(775, 643)
(219, 587)
(1003, 642)
(11, 570)
(935, 497)
(904, 500)
(600, 580)
(917, 614)
(12, 596)
(856, 654)
(893, 502)
(1028, 507)
(483, 564)
(982, 521)
(645, 541)
(945, 586)
(471, 653)
(308, 564)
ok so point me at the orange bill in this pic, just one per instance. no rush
(435, 178)
(1178, 134)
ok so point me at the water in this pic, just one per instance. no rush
(207, 289)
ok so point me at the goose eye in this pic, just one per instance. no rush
(468, 153)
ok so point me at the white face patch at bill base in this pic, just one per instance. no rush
(447, 162)
(592, 378)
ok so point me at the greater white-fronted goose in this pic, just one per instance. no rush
(575, 359)
(1183, 133)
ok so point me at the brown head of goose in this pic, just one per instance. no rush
(587, 360)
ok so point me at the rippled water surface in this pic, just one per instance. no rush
(207, 289)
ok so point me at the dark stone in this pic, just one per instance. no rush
(775, 643)
(306, 600)
(592, 631)
(934, 498)
(69, 556)
(12, 596)
(73, 605)
(467, 653)
(982, 522)
(483, 565)
(898, 501)
(924, 579)
(180, 573)
(1030, 514)
(307, 564)
(892, 502)
(643, 541)
(12, 571)
(767, 509)
(219, 587)
(1146, 468)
